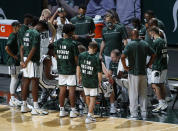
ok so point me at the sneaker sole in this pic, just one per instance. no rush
(73, 116)
(62, 115)
(25, 112)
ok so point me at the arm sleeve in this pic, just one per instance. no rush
(10, 40)
(126, 50)
(124, 33)
(72, 20)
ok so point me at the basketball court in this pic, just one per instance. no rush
(14, 120)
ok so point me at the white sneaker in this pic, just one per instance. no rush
(15, 102)
(38, 111)
(63, 113)
(156, 105)
(90, 119)
(25, 109)
(133, 117)
(164, 107)
(73, 114)
(12, 103)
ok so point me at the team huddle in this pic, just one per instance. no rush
(137, 58)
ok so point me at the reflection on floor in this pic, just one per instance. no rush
(12, 119)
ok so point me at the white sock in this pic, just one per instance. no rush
(24, 102)
(61, 108)
(12, 97)
(13, 84)
(112, 104)
(35, 104)
(89, 114)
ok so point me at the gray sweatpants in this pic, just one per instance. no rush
(138, 93)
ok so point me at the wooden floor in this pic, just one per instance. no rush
(12, 120)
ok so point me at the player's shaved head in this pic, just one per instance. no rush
(134, 34)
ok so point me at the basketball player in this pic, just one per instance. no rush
(12, 49)
(89, 74)
(67, 57)
(30, 56)
(159, 69)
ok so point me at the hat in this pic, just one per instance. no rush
(60, 10)
(98, 19)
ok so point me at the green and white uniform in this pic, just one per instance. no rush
(14, 65)
(66, 51)
(90, 66)
(32, 40)
(160, 65)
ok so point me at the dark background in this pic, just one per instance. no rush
(163, 10)
(15, 9)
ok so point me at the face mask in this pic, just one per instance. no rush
(109, 24)
(81, 16)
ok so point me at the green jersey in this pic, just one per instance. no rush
(160, 63)
(90, 66)
(113, 66)
(13, 46)
(32, 40)
(66, 51)
(84, 25)
(137, 52)
(113, 38)
(21, 34)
